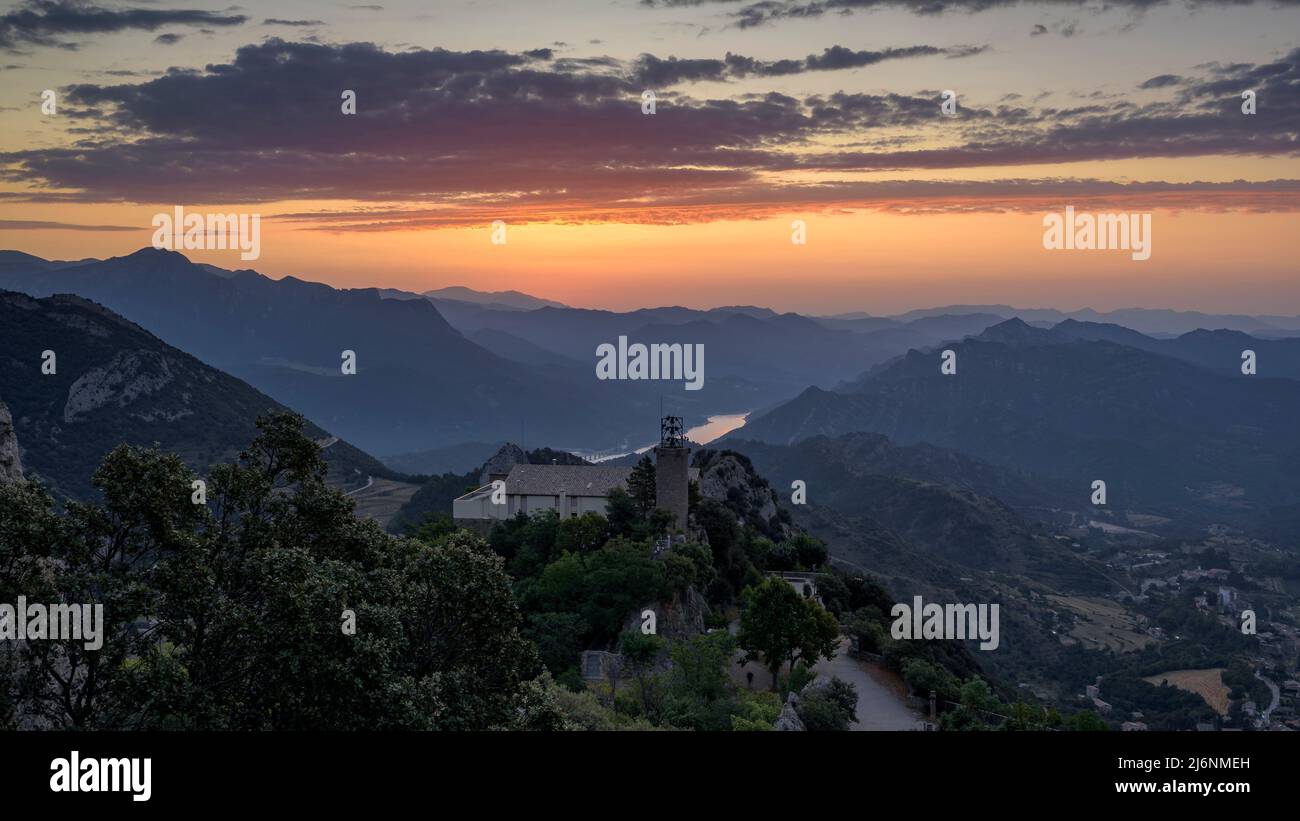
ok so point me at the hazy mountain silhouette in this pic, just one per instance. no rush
(114, 382)
(493, 299)
(1156, 321)
(777, 355)
(419, 382)
(1160, 431)
(1218, 350)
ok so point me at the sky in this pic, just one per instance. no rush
(815, 119)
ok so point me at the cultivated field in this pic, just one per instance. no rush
(1208, 684)
(1103, 623)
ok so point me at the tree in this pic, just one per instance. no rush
(1025, 716)
(640, 652)
(558, 637)
(870, 634)
(978, 696)
(779, 626)
(94, 555)
(809, 551)
(755, 711)
(679, 572)
(227, 616)
(581, 534)
(731, 563)
(621, 577)
(641, 485)
(602, 586)
(622, 513)
(432, 527)
(1086, 721)
(830, 707)
(923, 677)
(527, 540)
(699, 689)
(701, 557)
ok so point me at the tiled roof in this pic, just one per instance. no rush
(574, 480)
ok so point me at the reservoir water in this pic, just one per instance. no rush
(715, 428)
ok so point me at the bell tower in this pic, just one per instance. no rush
(672, 461)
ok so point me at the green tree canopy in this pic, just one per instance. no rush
(641, 485)
(778, 626)
(230, 615)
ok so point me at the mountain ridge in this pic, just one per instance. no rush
(114, 382)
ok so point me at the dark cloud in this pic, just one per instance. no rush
(466, 130)
(1162, 81)
(759, 13)
(765, 200)
(276, 21)
(45, 22)
(654, 72)
(44, 225)
(1064, 29)
(168, 39)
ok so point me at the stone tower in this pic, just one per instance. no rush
(672, 461)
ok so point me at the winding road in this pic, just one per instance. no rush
(879, 707)
(1277, 697)
(370, 480)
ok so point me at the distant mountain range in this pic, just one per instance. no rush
(419, 383)
(1072, 404)
(770, 356)
(113, 382)
(456, 365)
(498, 300)
(1219, 350)
(1155, 321)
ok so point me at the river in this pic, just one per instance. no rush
(715, 428)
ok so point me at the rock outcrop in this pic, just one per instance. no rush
(506, 458)
(11, 466)
(789, 720)
(729, 477)
(678, 618)
(128, 377)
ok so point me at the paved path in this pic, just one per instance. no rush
(1277, 696)
(370, 480)
(879, 707)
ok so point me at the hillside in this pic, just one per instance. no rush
(419, 383)
(114, 382)
(1161, 432)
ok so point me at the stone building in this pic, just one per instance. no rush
(570, 490)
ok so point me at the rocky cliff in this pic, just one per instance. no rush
(729, 477)
(11, 466)
(110, 382)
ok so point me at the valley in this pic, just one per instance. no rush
(973, 488)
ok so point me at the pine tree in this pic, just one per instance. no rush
(641, 484)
